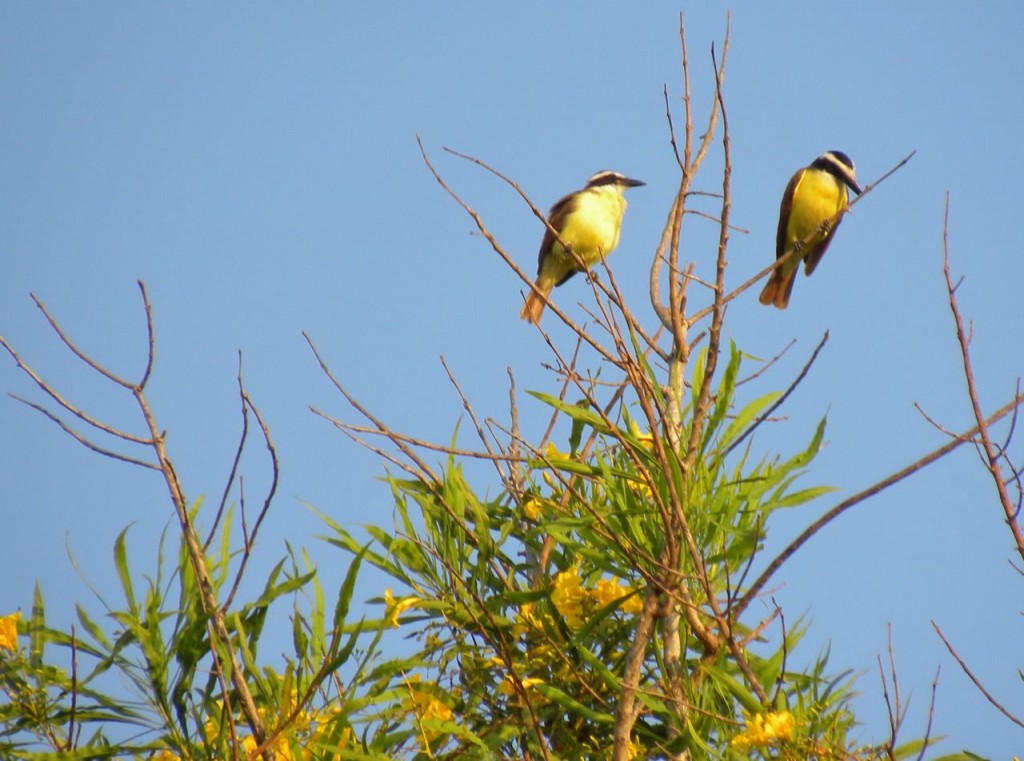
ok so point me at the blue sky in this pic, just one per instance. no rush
(257, 167)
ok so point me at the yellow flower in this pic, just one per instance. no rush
(508, 688)
(9, 631)
(164, 755)
(249, 745)
(344, 740)
(394, 608)
(427, 707)
(210, 730)
(642, 490)
(526, 621)
(552, 453)
(765, 729)
(532, 508)
(609, 590)
(646, 439)
(569, 597)
(282, 749)
(326, 727)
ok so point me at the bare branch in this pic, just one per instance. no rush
(894, 704)
(73, 409)
(426, 471)
(382, 453)
(151, 336)
(861, 496)
(992, 456)
(156, 442)
(411, 440)
(74, 347)
(926, 743)
(785, 395)
(672, 131)
(233, 474)
(275, 471)
(977, 682)
(81, 439)
(497, 459)
(766, 365)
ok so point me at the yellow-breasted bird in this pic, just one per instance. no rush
(814, 195)
(588, 221)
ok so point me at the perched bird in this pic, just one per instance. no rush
(588, 221)
(814, 195)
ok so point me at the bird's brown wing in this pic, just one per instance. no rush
(784, 210)
(556, 217)
(816, 252)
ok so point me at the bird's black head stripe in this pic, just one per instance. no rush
(604, 178)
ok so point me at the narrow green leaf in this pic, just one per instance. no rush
(723, 399)
(576, 432)
(746, 416)
(804, 495)
(348, 586)
(584, 415)
(569, 703)
(37, 627)
(123, 572)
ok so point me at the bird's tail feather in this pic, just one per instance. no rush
(534, 307)
(778, 289)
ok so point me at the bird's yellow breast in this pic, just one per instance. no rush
(592, 227)
(817, 196)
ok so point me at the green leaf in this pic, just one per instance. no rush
(576, 432)
(792, 499)
(92, 627)
(37, 627)
(723, 399)
(123, 572)
(747, 415)
(584, 415)
(347, 588)
(571, 704)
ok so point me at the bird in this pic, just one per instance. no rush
(588, 221)
(814, 195)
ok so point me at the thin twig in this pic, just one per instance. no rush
(82, 439)
(893, 705)
(426, 470)
(156, 441)
(59, 398)
(150, 336)
(481, 433)
(926, 742)
(74, 348)
(977, 682)
(861, 496)
(991, 455)
(778, 402)
(411, 440)
(275, 474)
(672, 131)
(233, 473)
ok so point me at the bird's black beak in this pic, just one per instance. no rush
(633, 183)
(854, 186)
